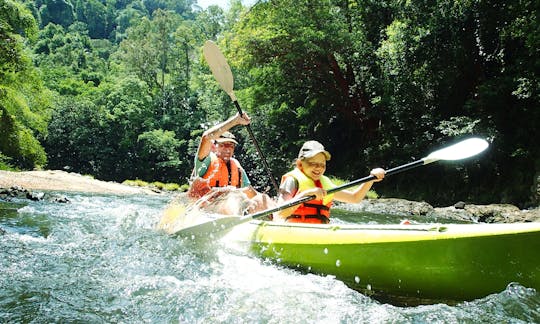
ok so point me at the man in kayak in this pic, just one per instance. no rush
(216, 168)
(308, 179)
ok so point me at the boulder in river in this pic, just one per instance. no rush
(23, 193)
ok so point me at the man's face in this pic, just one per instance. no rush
(225, 150)
(314, 167)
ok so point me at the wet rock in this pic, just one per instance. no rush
(35, 196)
(13, 192)
(452, 214)
(529, 215)
(459, 205)
(17, 192)
(394, 206)
(493, 213)
(459, 212)
(61, 199)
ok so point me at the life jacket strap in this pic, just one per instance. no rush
(322, 218)
(318, 207)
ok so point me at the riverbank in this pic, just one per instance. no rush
(26, 184)
(56, 180)
(460, 212)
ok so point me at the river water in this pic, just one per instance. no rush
(99, 259)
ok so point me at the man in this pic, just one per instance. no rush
(216, 167)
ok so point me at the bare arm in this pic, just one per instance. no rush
(355, 196)
(205, 146)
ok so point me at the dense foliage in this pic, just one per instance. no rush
(119, 88)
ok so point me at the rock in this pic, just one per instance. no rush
(61, 199)
(23, 193)
(35, 196)
(13, 192)
(459, 205)
(451, 214)
(17, 189)
(394, 206)
(459, 212)
(494, 213)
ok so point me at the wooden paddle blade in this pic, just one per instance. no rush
(219, 67)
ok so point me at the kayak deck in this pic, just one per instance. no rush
(441, 261)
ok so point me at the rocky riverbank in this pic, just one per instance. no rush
(460, 212)
(44, 185)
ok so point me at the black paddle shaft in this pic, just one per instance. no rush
(263, 158)
(295, 202)
(388, 172)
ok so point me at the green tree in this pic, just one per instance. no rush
(160, 153)
(385, 72)
(97, 15)
(126, 18)
(305, 63)
(181, 7)
(453, 70)
(59, 12)
(148, 51)
(23, 99)
(70, 62)
(78, 137)
(211, 22)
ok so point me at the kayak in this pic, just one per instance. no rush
(433, 262)
(448, 262)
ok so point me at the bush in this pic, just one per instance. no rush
(157, 184)
(135, 183)
(5, 163)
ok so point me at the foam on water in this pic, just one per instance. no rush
(100, 259)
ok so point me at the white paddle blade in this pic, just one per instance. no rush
(212, 229)
(219, 67)
(458, 151)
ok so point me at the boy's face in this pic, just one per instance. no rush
(314, 167)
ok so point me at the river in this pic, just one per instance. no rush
(99, 259)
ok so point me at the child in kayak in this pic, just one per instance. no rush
(308, 179)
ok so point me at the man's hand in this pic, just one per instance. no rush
(243, 119)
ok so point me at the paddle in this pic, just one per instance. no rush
(459, 151)
(222, 72)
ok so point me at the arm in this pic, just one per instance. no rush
(355, 196)
(205, 146)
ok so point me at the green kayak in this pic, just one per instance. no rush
(450, 262)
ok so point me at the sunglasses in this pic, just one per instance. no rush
(316, 164)
(226, 145)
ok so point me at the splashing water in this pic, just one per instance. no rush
(100, 259)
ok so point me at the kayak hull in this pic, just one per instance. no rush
(442, 262)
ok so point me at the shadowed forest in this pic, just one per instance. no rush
(119, 89)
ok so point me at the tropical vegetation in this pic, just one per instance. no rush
(119, 88)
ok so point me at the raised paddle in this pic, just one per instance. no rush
(222, 72)
(221, 225)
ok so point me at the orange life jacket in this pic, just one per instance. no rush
(218, 174)
(313, 211)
